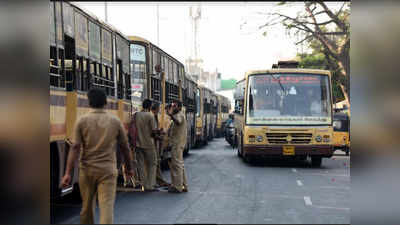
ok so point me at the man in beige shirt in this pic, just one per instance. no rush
(97, 136)
(177, 142)
(145, 148)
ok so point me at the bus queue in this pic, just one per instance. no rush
(87, 53)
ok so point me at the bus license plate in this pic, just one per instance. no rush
(288, 150)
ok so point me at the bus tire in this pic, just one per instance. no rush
(76, 193)
(55, 191)
(316, 161)
(248, 159)
(239, 148)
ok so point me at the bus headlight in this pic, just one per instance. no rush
(259, 138)
(337, 124)
(252, 138)
(318, 138)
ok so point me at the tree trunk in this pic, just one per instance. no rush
(346, 96)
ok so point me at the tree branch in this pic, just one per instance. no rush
(306, 38)
(335, 18)
(340, 10)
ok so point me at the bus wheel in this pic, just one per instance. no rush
(248, 158)
(316, 161)
(76, 193)
(239, 147)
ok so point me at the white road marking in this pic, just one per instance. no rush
(330, 207)
(299, 183)
(307, 200)
(323, 174)
(335, 187)
(294, 170)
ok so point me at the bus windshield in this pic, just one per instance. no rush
(138, 71)
(288, 99)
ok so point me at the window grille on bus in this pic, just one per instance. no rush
(156, 89)
(57, 67)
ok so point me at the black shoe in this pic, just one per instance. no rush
(139, 187)
(185, 189)
(173, 190)
(151, 190)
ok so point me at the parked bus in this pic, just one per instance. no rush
(223, 108)
(285, 113)
(213, 116)
(203, 95)
(238, 96)
(174, 86)
(84, 53)
(189, 101)
(341, 128)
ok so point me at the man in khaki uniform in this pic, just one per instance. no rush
(98, 133)
(145, 148)
(177, 142)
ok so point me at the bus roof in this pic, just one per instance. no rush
(137, 38)
(93, 17)
(140, 39)
(287, 70)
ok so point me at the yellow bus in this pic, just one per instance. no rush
(80, 60)
(213, 115)
(189, 100)
(202, 115)
(163, 87)
(223, 108)
(284, 113)
(341, 128)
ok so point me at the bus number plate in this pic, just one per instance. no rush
(288, 150)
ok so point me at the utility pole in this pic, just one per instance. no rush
(105, 12)
(158, 26)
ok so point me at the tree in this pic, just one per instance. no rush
(325, 30)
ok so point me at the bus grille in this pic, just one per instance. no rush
(283, 138)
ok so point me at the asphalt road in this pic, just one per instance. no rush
(224, 189)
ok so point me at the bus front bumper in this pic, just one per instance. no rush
(299, 150)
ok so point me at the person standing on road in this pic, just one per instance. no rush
(97, 135)
(155, 108)
(178, 141)
(145, 148)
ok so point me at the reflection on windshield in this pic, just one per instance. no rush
(288, 99)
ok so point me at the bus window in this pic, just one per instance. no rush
(156, 60)
(170, 71)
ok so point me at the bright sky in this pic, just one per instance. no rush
(223, 45)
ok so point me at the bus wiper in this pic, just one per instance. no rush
(279, 81)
